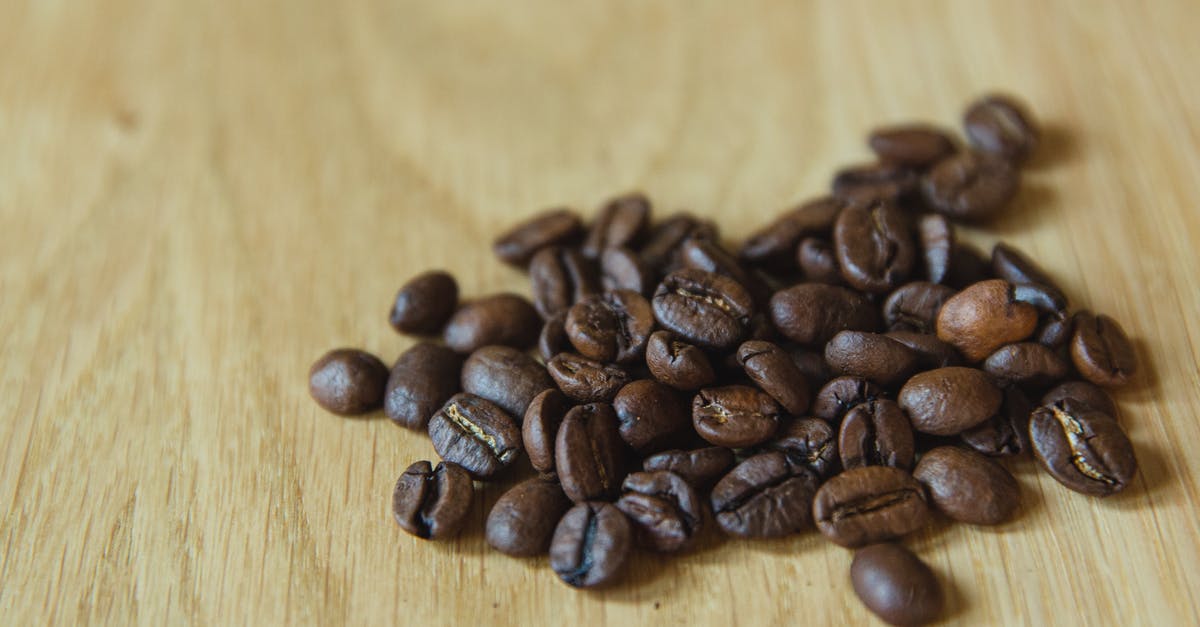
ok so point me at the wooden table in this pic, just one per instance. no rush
(198, 198)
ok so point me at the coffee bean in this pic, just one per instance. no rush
(621, 222)
(936, 237)
(613, 326)
(623, 269)
(700, 467)
(897, 586)
(590, 545)
(1026, 363)
(661, 250)
(970, 186)
(540, 428)
(506, 377)
(522, 522)
(775, 373)
(665, 510)
(734, 416)
(1055, 330)
(870, 504)
(774, 245)
(504, 319)
(764, 497)
(1101, 351)
(948, 401)
(589, 454)
(424, 304)
(1006, 433)
(876, 433)
(997, 124)
(586, 380)
(808, 443)
(812, 313)
(560, 277)
(967, 486)
(1082, 448)
(1013, 266)
(518, 245)
(432, 503)
(1044, 298)
(553, 338)
(872, 356)
(708, 256)
(348, 382)
(915, 145)
(915, 306)
(1083, 392)
(874, 246)
(984, 317)
(677, 363)
(818, 261)
(836, 398)
(650, 414)
(476, 434)
(423, 378)
(874, 182)
(704, 308)
(931, 352)
(812, 366)
(967, 266)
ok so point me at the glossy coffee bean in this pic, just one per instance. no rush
(970, 186)
(677, 363)
(650, 414)
(707, 255)
(1026, 363)
(874, 246)
(432, 503)
(517, 246)
(522, 522)
(812, 365)
(876, 433)
(704, 308)
(818, 261)
(1083, 392)
(665, 510)
(999, 125)
(967, 266)
(553, 338)
(1006, 433)
(560, 277)
(984, 317)
(700, 467)
(504, 319)
(1055, 330)
(837, 396)
(896, 585)
(968, 487)
(660, 252)
(936, 238)
(589, 454)
(1014, 266)
(774, 372)
(870, 504)
(540, 428)
(808, 443)
(812, 313)
(915, 306)
(590, 545)
(423, 378)
(764, 497)
(931, 352)
(871, 356)
(1044, 298)
(611, 327)
(621, 222)
(623, 269)
(874, 182)
(1082, 448)
(1101, 351)
(505, 376)
(586, 380)
(948, 401)
(424, 304)
(476, 434)
(916, 145)
(348, 382)
(774, 245)
(735, 416)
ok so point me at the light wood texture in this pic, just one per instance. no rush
(197, 199)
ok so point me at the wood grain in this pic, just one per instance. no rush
(198, 198)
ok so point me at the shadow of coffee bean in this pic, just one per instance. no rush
(1056, 146)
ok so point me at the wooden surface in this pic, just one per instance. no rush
(199, 198)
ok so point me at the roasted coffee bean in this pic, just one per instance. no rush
(839, 395)
(704, 308)
(476, 434)
(869, 183)
(774, 245)
(948, 401)
(931, 352)
(1082, 448)
(967, 266)
(700, 467)
(589, 454)
(677, 363)
(1013, 266)
(870, 504)
(735, 416)
(586, 380)
(808, 443)
(661, 250)
(1044, 298)
(915, 306)
(708, 256)
(540, 428)
(818, 261)
(970, 186)
(623, 269)
(1006, 433)
(504, 319)
(590, 545)
(812, 365)
(812, 313)
(620, 223)
(553, 338)
(517, 246)
(764, 497)
(650, 414)
(422, 380)
(936, 237)
(874, 246)
(967, 486)
(775, 373)
(506, 377)
(876, 433)
(664, 508)
(432, 503)
(1083, 392)
(1055, 330)
(424, 304)
(1026, 363)
(915, 145)
(997, 124)
(347, 381)
(984, 317)
(560, 277)
(1101, 351)
(522, 522)
(897, 586)
(872, 356)
(613, 326)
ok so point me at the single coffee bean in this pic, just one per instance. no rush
(808, 443)
(870, 504)
(677, 363)
(773, 246)
(874, 246)
(586, 380)
(734, 416)
(517, 246)
(504, 319)
(931, 352)
(764, 497)
(866, 184)
(1055, 330)
(896, 585)
(818, 261)
(915, 145)
(876, 433)
(1091, 395)
(1043, 297)
(984, 317)
(553, 338)
(540, 428)
(998, 125)
(476, 434)
(424, 304)
(661, 250)
(664, 508)
(936, 237)
(432, 503)
(872, 356)
(620, 223)
(1026, 363)
(522, 522)
(967, 486)
(1013, 266)
(704, 308)
(590, 545)
(948, 401)
(506, 377)
(773, 370)
(348, 382)
(1101, 351)
(967, 266)
(650, 414)
(700, 467)
(589, 454)
(708, 256)
(560, 277)
(811, 313)
(613, 326)
(422, 380)
(836, 398)
(812, 366)
(1082, 448)
(623, 269)
(915, 306)
(970, 186)
(1006, 433)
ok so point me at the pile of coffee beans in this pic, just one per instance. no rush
(850, 367)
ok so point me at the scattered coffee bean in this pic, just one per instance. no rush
(522, 522)
(650, 414)
(870, 504)
(1006, 433)
(700, 467)
(677, 363)
(1044, 298)
(553, 338)
(506, 377)
(874, 246)
(809, 443)
(504, 319)
(812, 366)
(1089, 394)
(936, 237)
(818, 261)
(476, 434)
(984, 317)
(1014, 266)
(914, 145)
(839, 395)
(348, 381)
(1101, 351)
(998, 125)
(970, 186)
(866, 184)
(812, 313)
(422, 380)
(967, 486)
(897, 586)
(586, 380)
(876, 433)
(704, 308)
(707, 256)
(967, 266)
(613, 326)
(665, 510)
(1055, 330)
(1026, 363)
(620, 223)
(424, 303)
(915, 306)
(517, 246)
(661, 250)
(871, 356)
(775, 373)
(773, 245)
(560, 277)
(948, 401)
(734, 416)
(432, 503)
(623, 269)
(1082, 448)
(931, 352)
(590, 545)
(764, 497)
(540, 428)
(589, 454)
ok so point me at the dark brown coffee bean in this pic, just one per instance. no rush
(553, 338)
(1044, 298)
(915, 306)
(1055, 330)
(967, 486)
(1083, 392)
(475, 434)
(1006, 433)
(874, 246)
(897, 586)
(347, 381)
(872, 356)
(1101, 351)
(936, 237)
(506, 377)
(677, 363)
(704, 308)
(700, 467)
(623, 269)
(590, 545)
(997, 124)
(504, 319)
(836, 398)
(775, 373)
(586, 380)
(432, 503)
(589, 454)
(874, 182)
(916, 145)
(522, 522)
(422, 380)
(708, 256)
(650, 414)
(1013, 266)
(613, 326)
(1026, 363)
(560, 277)
(967, 266)
(812, 365)
(931, 352)
(984, 317)
(870, 504)
(970, 186)
(876, 433)
(517, 246)
(1082, 448)
(664, 508)
(621, 222)
(808, 443)
(948, 401)
(735, 416)
(818, 261)
(774, 245)
(540, 428)
(424, 304)
(661, 250)
(764, 497)
(812, 313)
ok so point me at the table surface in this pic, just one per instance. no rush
(197, 199)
